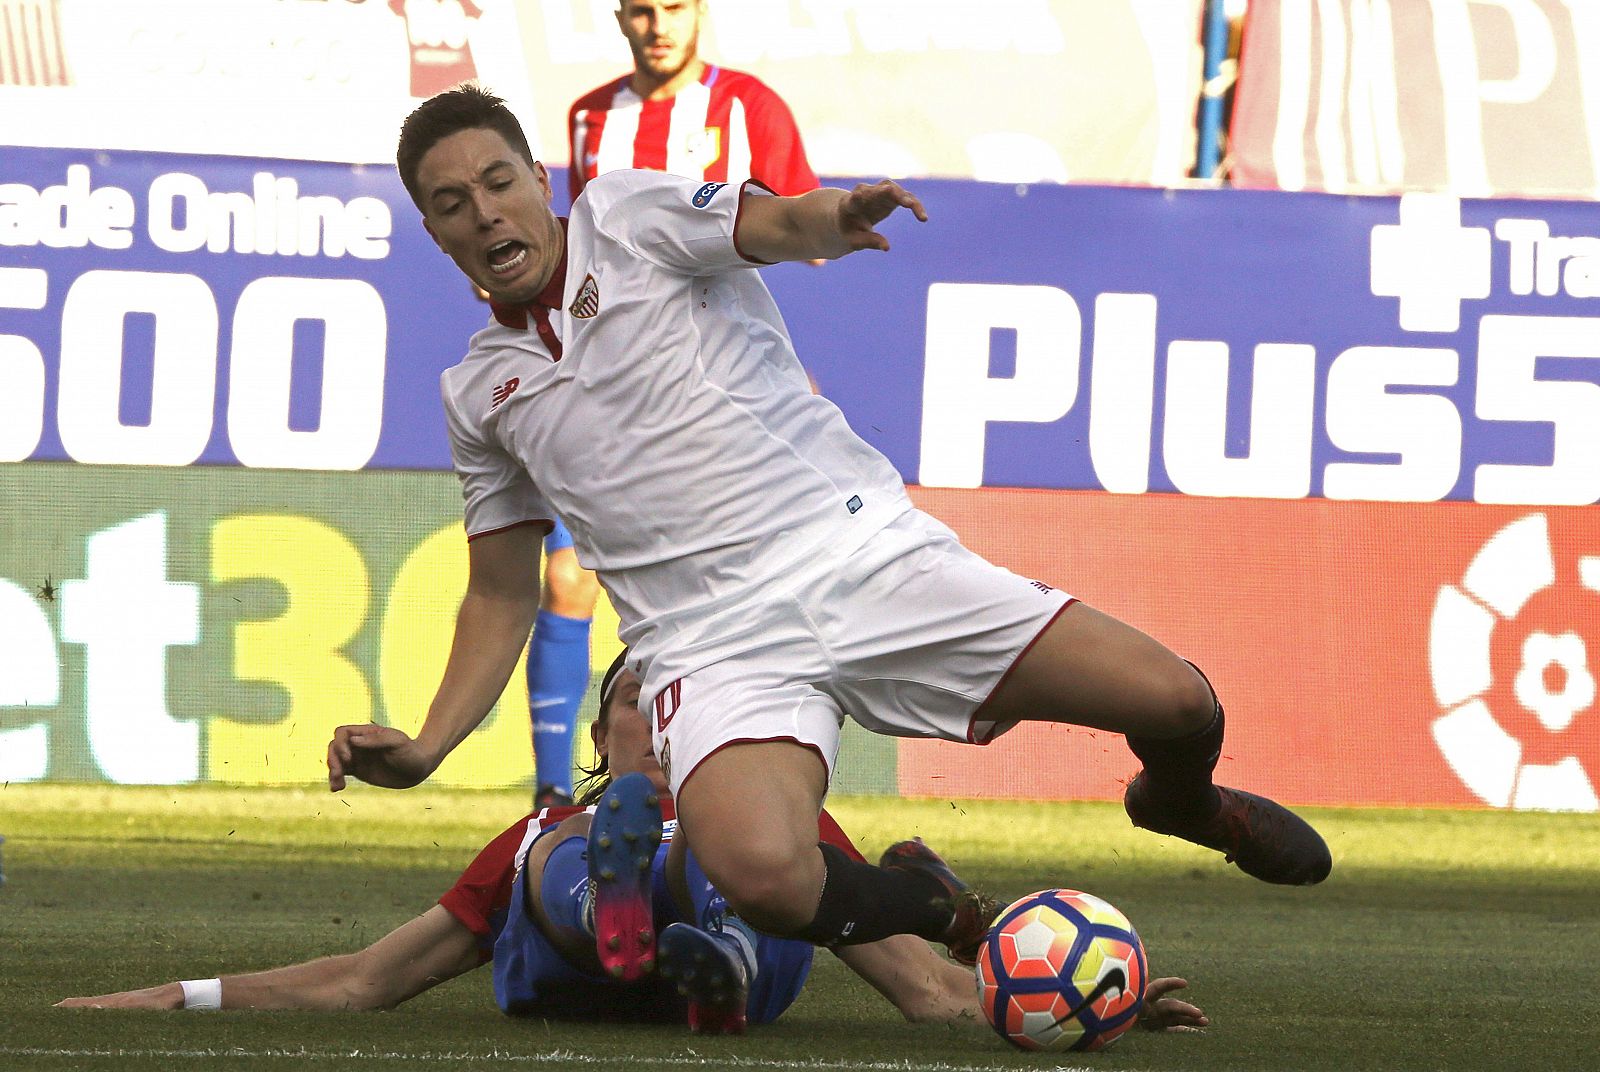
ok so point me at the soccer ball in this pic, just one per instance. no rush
(1061, 970)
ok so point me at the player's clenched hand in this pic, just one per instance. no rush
(378, 755)
(166, 996)
(868, 205)
(1161, 1013)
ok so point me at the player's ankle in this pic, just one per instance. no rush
(737, 935)
(1181, 799)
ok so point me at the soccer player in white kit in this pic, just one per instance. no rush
(770, 573)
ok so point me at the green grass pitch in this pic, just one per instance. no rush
(1444, 940)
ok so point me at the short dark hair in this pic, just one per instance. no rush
(465, 107)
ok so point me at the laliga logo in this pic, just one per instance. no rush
(1509, 653)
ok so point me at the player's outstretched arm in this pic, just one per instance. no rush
(492, 629)
(923, 985)
(821, 225)
(402, 964)
(1163, 1013)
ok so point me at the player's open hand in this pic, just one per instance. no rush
(868, 205)
(1163, 1013)
(378, 755)
(165, 996)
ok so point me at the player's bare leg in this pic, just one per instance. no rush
(1089, 669)
(749, 813)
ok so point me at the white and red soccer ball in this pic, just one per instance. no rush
(1061, 970)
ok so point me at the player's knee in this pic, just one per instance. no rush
(569, 590)
(572, 826)
(1191, 700)
(771, 887)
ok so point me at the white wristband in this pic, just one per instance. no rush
(202, 993)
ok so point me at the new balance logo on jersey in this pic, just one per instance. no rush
(1041, 586)
(503, 391)
(702, 197)
(666, 704)
(587, 303)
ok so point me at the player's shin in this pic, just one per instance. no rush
(1177, 771)
(861, 903)
(564, 891)
(558, 675)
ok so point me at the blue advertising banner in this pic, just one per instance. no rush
(170, 310)
(1220, 343)
(173, 310)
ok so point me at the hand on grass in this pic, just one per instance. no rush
(1161, 1013)
(165, 996)
(378, 755)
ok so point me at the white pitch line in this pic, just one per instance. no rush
(693, 1060)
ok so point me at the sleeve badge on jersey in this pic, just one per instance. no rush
(702, 197)
(587, 303)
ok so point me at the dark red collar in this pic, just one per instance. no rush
(516, 316)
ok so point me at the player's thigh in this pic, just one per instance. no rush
(749, 812)
(1090, 669)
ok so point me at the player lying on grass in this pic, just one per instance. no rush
(547, 962)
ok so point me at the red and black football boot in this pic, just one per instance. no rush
(551, 796)
(1263, 838)
(974, 912)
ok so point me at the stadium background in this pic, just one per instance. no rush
(1334, 434)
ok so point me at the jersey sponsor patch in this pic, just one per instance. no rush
(702, 197)
(587, 303)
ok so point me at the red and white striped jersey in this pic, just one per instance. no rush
(727, 127)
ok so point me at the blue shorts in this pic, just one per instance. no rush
(558, 538)
(532, 979)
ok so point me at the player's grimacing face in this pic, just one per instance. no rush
(490, 211)
(664, 35)
(625, 741)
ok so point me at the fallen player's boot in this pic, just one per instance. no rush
(1266, 840)
(622, 846)
(974, 912)
(710, 973)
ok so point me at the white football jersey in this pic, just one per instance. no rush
(672, 428)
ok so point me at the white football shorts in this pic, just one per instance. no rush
(908, 634)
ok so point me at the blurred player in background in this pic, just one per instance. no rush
(676, 113)
(523, 904)
(769, 569)
(679, 114)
